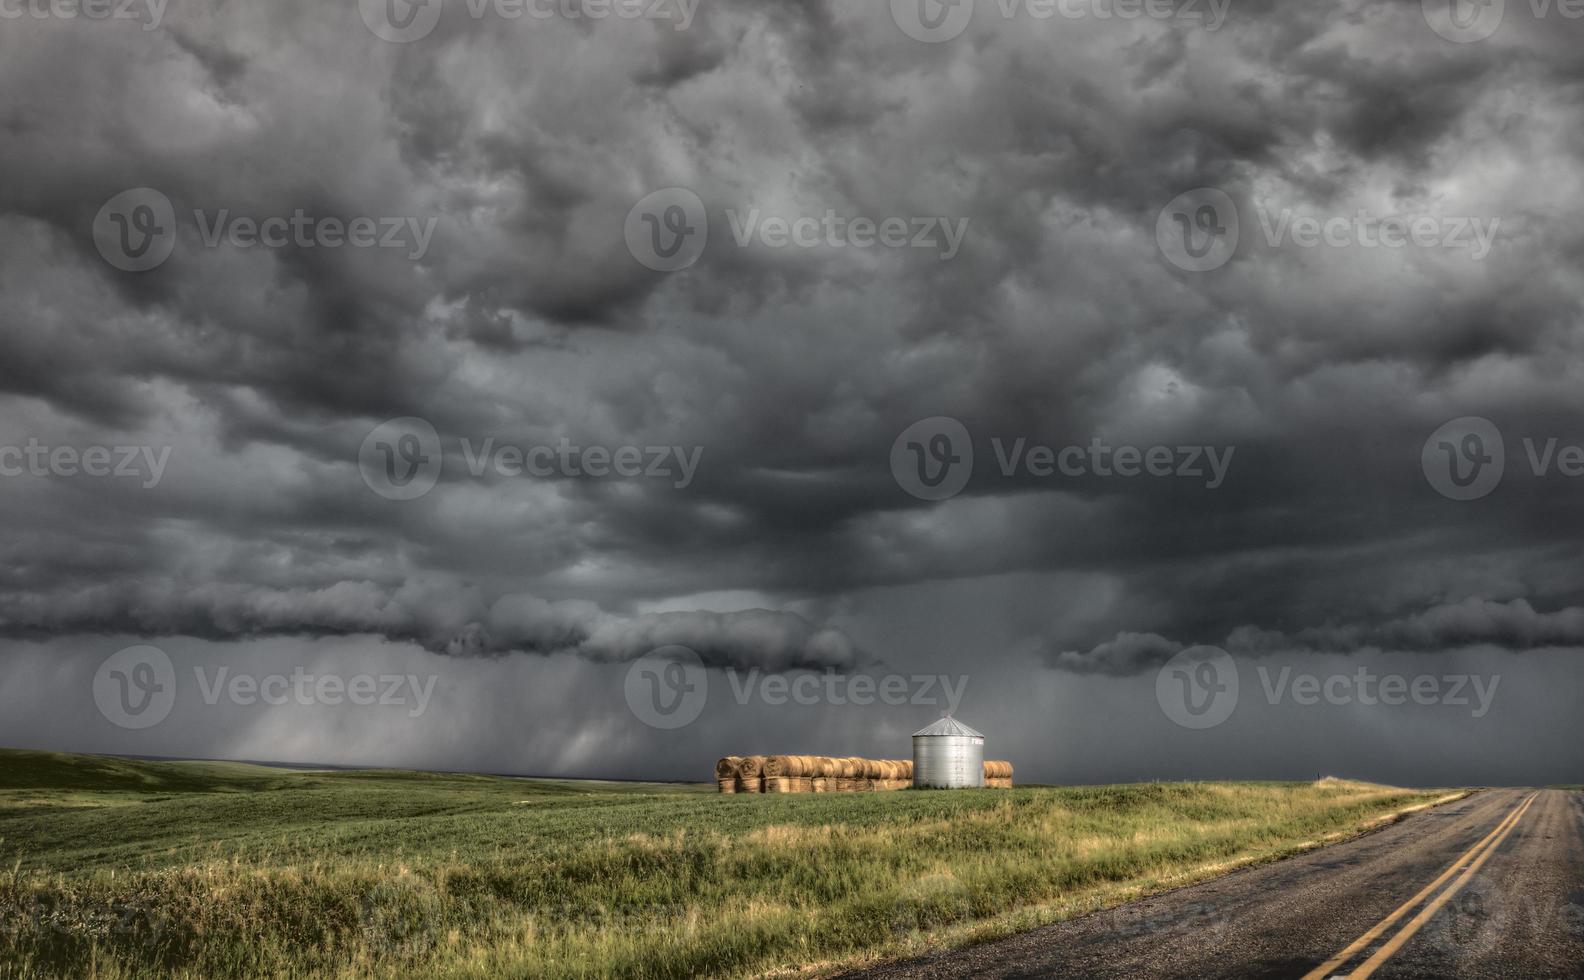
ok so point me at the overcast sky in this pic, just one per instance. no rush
(1257, 321)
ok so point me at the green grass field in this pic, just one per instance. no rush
(117, 868)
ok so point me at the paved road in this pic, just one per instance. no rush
(1490, 886)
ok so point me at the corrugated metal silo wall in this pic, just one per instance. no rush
(948, 761)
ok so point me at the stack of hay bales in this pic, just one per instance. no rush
(726, 772)
(750, 773)
(790, 773)
(811, 774)
(998, 775)
(895, 774)
(841, 776)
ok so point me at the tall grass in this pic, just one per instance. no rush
(247, 872)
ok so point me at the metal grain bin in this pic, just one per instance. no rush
(948, 755)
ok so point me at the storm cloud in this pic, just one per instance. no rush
(531, 318)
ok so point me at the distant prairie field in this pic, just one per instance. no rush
(117, 868)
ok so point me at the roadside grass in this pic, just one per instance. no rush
(114, 868)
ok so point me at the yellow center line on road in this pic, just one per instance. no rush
(1324, 970)
(1417, 922)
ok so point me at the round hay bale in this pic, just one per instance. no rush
(727, 785)
(776, 766)
(819, 784)
(727, 768)
(751, 767)
(750, 784)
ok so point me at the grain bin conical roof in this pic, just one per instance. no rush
(948, 726)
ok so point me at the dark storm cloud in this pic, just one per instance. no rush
(1509, 626)
(1129, 653)
(441, 617)
(526, 320)
(1514, 626)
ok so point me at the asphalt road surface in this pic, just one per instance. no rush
(1489, 886)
